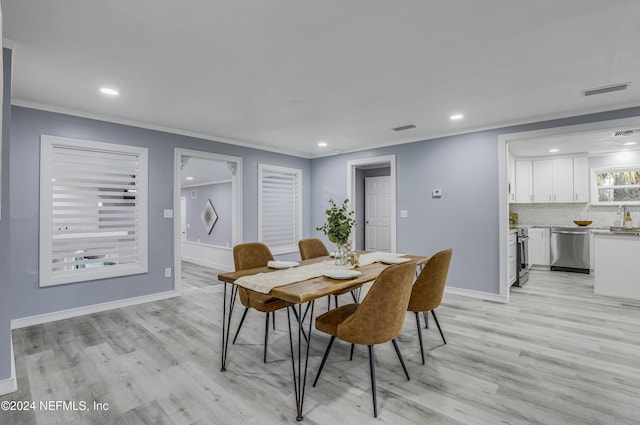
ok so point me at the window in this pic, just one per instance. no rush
(279, 208)
(619, 185)
(93, 210)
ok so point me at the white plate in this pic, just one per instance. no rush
(342, 274)
(281, 265)
(396, 260)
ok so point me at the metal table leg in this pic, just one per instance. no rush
(226, 327)
(299, 377)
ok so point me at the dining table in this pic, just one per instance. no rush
(296, 295)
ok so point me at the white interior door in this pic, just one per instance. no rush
(377, 227)
(183, 218)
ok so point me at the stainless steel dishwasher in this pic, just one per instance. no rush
(570, 249)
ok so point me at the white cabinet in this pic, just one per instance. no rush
(580, 179)
(512, 258)
(553, 180)
(539, 246)
(524, 181)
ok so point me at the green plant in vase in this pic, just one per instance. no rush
(338, 227)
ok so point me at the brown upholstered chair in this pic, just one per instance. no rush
(378, 319)
(428, 289)
(314, 248)
(249, 256)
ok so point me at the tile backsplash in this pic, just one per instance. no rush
(564, 214)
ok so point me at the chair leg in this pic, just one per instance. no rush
(266, 337)
(420, 335)
(372, 367)
(351, 355)
(395, 345)
(425, 314)
(324, 359)
(433, 313)
(246, 310)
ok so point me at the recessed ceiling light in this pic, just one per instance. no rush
(189, 178)
(322, 144)
(109, 91)
(629, 143)
(456, 117)
(554, 150)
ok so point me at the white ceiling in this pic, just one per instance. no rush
(285, 74)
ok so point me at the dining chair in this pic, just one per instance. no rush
(249, 256)
(428, 289)
(314, 248)
(378, 319)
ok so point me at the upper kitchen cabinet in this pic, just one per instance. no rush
(581, 179)
(553, 180)
(524, 181)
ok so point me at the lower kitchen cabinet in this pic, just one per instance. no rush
(539, 246)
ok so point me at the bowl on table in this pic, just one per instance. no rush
(583, 222)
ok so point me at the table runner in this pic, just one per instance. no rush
(377, 256)
(265, 282)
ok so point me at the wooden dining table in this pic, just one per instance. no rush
(298, 294)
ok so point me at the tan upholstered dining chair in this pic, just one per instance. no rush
(378, 319)
(314, 248)
(249, 256)
(428, 289)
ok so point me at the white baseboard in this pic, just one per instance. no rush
(476, 294)
(90, 309)
(205, 263)
(10, 384)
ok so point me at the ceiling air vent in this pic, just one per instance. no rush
(404, 127)
(607, 89)
(626, 133)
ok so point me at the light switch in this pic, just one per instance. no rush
(168, 213)
(436, 193)
(404, 213)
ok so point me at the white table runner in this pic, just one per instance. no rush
(265, 282)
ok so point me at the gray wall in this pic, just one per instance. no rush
(220, 195)
(28, 298)
(465, 218)
(5, 231)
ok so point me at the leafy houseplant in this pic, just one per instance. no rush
(338, 227)
(339, 222)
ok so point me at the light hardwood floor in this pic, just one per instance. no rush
(557, 354)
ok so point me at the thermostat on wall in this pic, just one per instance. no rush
(436, 193)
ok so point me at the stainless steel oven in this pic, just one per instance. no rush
(523, 257)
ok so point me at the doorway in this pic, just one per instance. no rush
(207, 209)
(383, 233)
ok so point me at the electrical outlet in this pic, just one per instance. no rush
(167, 272)
(168, 214)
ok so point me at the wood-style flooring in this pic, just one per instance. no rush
(557, 354)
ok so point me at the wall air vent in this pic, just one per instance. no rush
(626, 133)
(404, 127)
(607, 89)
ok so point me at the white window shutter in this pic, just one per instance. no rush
(93, 210)
(279, 208)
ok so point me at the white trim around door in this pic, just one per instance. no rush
(352, 189)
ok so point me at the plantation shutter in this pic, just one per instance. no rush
(94, 206)
(279, 218)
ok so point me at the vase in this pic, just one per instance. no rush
(341, 254)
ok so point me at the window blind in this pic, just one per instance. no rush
(280, 209)
(92, 208)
